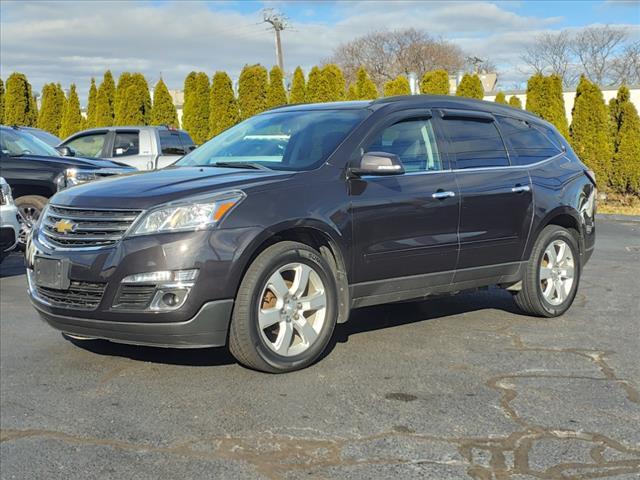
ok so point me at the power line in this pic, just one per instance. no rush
(278, 22)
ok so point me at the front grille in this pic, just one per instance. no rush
(86, 228)
(134, 297)
(79, 296)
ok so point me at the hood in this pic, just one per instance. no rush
(77, 162)
(148, 189)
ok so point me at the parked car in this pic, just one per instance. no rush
(340, 205)
(35, 171)
(48, 138)
(144, 148)
(9, 226)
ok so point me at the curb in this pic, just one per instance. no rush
(618, 218)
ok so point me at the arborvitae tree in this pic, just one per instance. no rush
(18, 101)
(105, 101)
(163, 111)
(136, 104)
(397, 86)
(91, 105)
(515, 102)
(223, 106)
(501, 98)
(435, 83)
(1, 101)
(544, 98)
(335, 81)
(352, 93)
(365, 89)
(625, 172)
(591, 130)
(33, 109)
(120, 103)
(298, 87)
(471, 87)
(252, 90)
(317, 86)
(195, 114)
(51, 109)
(72, 118)
(276, 95)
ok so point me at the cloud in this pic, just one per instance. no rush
(72, 41)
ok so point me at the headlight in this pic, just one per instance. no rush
(73, 176)
(196, 214)
(5, 194)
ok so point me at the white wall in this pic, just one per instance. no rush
(569, 97)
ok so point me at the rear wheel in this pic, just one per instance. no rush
(552, 274)
(285, 310)
(29, 209)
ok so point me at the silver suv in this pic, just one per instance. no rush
(144, 148)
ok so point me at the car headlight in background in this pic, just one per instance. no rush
(74, 176)
(5, 194)
(196, 214)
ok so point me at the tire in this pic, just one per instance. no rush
(30, 208)
(546, 291)
(281, 346)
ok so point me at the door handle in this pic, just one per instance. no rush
(441, 195)
(521, 188)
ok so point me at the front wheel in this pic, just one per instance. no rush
(285, 310)
(29, 210)
(552, 274)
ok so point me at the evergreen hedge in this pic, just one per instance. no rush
(163, 111)
(435, 83)
(397, 86)
(195, 113)
(625, 170)
(223, 111)
(19, 102)
(91, 105)
(298, 87)
(276, 95)
(252, 90)
(105, 101)
(72, 118)
(470, 86)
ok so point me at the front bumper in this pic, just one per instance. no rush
(203, 319)
(207, 328)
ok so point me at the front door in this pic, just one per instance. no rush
(496, 200)
(405, 226)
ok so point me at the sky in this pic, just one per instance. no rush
(71, 41)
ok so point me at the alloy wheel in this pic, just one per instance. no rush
(557, 271)
(292, 309)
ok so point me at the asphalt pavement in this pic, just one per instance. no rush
(454, 387)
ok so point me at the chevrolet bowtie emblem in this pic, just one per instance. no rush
(64, 226)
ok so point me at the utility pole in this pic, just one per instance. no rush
(279, 23)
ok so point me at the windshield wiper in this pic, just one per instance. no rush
(249, 165)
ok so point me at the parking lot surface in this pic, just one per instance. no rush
(455, 387)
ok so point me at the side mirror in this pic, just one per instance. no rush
(378, 163)
(66, 151)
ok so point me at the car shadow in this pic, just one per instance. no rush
(361, 321)
(13, 265)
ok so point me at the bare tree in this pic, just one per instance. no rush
(626, 67)
(551, 53)
(595, 47)
(387, 54)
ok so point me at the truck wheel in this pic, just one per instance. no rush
(29, 208)
(285, 310)
(552, 274)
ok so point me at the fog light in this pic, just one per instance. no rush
(170, 297)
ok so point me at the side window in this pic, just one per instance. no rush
(475, 143)
(170, 143)
(88, 145)
(187, 142)
(528, 144)
(126, 144)
(413, 141)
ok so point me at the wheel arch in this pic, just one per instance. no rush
(316, 234)
(563, 216)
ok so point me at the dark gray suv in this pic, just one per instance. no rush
(269, 234)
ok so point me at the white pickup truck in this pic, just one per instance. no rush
(144, 148)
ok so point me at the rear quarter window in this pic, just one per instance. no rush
(528, 144)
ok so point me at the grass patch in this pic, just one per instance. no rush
(618, 204)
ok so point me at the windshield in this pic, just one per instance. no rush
(298, 140)
(45, 136)
(15, 142)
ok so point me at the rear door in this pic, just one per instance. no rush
(405, 226)
(133, 147)
(496, 200)
(171, 147)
